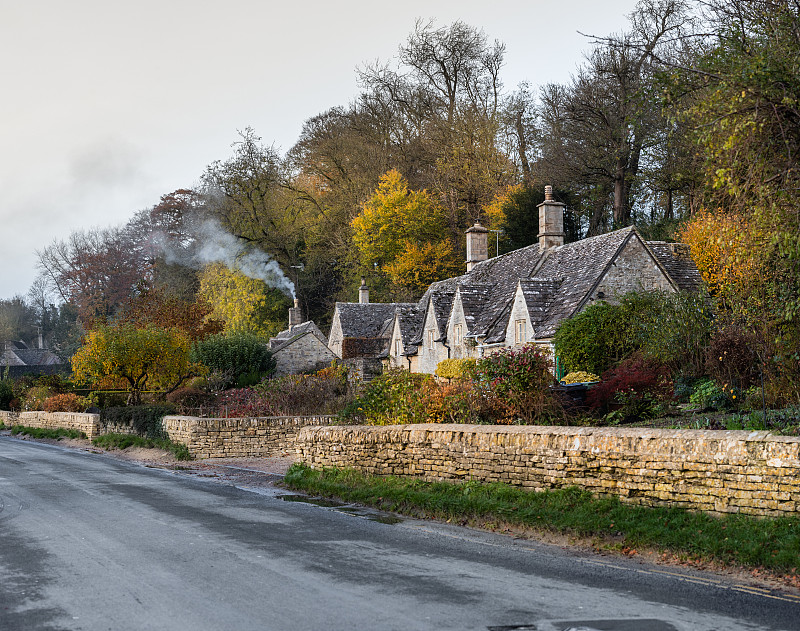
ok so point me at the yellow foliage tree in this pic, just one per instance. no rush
(726, 249)
(146, 357)
(399, 229)
(244, 304)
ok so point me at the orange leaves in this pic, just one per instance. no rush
(727, 249)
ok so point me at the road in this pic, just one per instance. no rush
(91, 542)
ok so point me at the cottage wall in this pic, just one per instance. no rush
(305, 354)
(427, 357)
(519, 311)
(633, 270)
(336, 336)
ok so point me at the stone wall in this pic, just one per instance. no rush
(239, 437)
(89, 424)
(304, 354)
(205, 437)
(716, 471)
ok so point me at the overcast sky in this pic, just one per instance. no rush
(107, 105)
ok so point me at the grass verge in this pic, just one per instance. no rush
(769, 543)
(123, 441)
(40, 432)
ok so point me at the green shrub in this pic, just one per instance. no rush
(709, 394)
(6, 394)
(123, 441)
(237, 357)
(42, 432)
(396, 396)
(145, 420)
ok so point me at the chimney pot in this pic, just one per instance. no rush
(295, 315)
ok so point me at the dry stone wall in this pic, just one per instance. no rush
(715, 471)
(239, 437)
(89, 424)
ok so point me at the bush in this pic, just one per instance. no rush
(187, 399)
(519, 382)
(708, 394)
(396, 396)
(65, 403)
(145, 420)
(456, 368)
(6, 394)
(237, 357)
(731, 358)
(637, 387)
(35, 398)
(591, 340)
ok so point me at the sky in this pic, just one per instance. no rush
(107, 105)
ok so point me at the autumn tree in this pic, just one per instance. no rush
(156, 307)
(143, 358)
(398, 229)
(244, 304)
(98, 271)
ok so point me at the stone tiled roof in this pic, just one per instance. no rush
(556, 284)
(675, 259)
(366, 319)
(282, 339)
(581, 265)
(29, 357)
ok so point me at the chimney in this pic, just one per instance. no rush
(551, 221)
(363, 292)
(295, 315)
(477, 245)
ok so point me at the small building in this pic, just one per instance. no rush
(301, 348)
(510, 300)
(18, 358)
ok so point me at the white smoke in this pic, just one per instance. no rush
(213, 244)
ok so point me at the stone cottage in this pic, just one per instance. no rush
(300, 348)
(510, 300)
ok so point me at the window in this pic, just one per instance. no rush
(457, 336)
(397, 348)
(520, 332)
(430, 339)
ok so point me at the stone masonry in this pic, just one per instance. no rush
(714, 471)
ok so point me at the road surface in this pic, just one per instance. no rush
(91, 542)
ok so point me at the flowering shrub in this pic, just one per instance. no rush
(518, 382)
(64, 403)
(637, 386)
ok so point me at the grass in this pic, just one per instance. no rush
(769, 543)
(40, 432)
(123, 441)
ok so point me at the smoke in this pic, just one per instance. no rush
(213, 244)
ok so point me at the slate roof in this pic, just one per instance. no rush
(366, 320)
(556, 284)
(675, 259)
(285, 337)
(29, 357)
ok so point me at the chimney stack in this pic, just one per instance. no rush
(477, 245)
(363, 292)
(551, 221)
(295, 315)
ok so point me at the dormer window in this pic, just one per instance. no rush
(397, 348)
(458, 337)
(430, 339)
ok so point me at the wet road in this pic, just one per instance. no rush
(89, 542)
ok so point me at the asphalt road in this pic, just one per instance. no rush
(90, 542)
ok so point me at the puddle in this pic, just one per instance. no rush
(348, 509)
